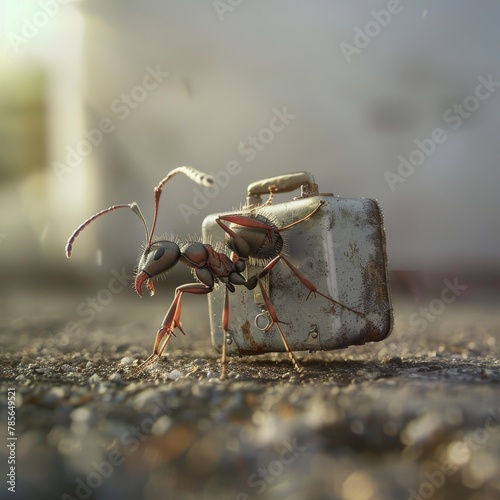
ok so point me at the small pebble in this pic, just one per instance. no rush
(94, 379)
(116, 378)
(174, 375)
(162, 425)
(199, 362)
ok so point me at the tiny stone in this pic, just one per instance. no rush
(174, 375)
(162, 425)
(126, 360)
(94, 379)
(89, 364)
(116, 377)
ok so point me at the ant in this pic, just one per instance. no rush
(251, 236)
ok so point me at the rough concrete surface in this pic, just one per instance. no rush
(415, 416)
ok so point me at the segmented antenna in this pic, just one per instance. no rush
(193, 174)
(135, 208)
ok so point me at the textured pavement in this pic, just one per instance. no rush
(415, 416)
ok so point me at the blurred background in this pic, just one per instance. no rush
(99, 100)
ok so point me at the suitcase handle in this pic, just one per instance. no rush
(283, 184)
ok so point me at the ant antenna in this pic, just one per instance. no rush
(135, 208)
(193, 174)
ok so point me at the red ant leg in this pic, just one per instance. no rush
(312, 289)
(172, 320)
(308, 216)
(275, 322)
(244, 221)
(225, 325)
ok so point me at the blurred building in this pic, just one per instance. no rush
(99, 100)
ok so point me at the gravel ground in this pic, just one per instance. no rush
(415, 416)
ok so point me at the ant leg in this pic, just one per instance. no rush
(225, 325)
(307, 217)
(276, 322)
(243, 221)
(312, 289)
(172, 320)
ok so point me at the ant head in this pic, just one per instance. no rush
(156, 260)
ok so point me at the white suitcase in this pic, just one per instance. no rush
(341, 249)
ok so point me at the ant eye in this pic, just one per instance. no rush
(158, 253)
